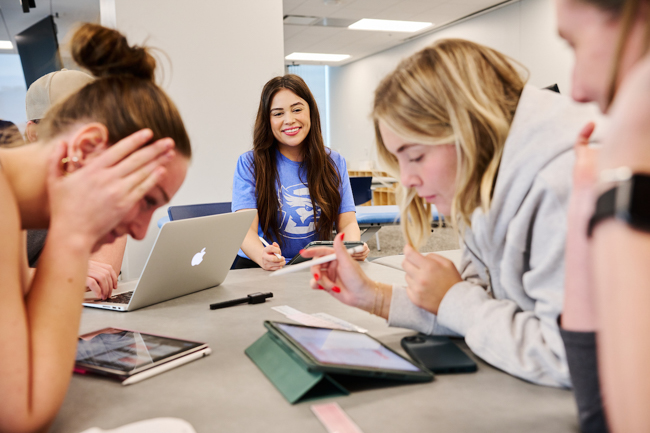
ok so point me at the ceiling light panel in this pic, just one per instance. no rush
(6, 45)
(317, 57)
(389, 25)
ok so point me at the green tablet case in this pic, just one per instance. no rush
(289, 375)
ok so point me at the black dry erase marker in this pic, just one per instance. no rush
(253, 298)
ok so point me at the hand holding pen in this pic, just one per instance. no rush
(343, 277)
(272, 259)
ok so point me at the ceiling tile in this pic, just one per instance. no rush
(293, 46)
(372, 5)
(477, 3)
(394, 13)
(291, 31)
(320, 33)
(289, 5)
(317, 8)
(347, 36)
(363, 43)
(455, 9)
(328, 47)
(413, 7)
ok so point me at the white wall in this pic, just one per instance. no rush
(524, 31)
(221, 55)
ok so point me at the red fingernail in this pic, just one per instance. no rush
(321, 287)
(342, 236)
(301, 251)
(336, 289)
(316, 277)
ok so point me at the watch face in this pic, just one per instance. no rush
(640, 200)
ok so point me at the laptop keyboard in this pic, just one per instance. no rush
(122, 298)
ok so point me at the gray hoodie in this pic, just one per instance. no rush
(513, 255)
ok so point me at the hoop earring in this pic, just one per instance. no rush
(64, 164)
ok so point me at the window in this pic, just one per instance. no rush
(317, 78)
(12, 90)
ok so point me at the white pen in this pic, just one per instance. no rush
(314, 262)
(266, 244)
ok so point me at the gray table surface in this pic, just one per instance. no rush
(226, 392)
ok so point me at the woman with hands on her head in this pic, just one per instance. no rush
(300, 188)
(106, 158)
(461, 129)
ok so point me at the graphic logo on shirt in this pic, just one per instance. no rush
(297, 212)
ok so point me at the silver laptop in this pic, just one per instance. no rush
(189, 255)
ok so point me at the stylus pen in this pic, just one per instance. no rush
(266, 244)
(314, 262)
(166, 366)
(253, 298)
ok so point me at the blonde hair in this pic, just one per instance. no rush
(452, 92)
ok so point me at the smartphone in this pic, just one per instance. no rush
(299, 259)
(437, 353)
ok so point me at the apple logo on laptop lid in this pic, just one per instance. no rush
(198, 258)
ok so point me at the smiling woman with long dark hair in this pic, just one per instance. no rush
(300, 188)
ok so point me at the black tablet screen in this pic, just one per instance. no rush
(126, 351)
(331, 346)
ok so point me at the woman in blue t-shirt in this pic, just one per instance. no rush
(300, 188)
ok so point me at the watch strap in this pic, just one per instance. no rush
(605, 208)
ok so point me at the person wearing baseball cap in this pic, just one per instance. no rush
(105, 264)
(47, 91)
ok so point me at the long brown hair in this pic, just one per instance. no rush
(627, 11)
(124, 96)
(323, 179)
(452, 92)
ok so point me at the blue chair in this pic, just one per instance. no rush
(176, 213)
(361, 191)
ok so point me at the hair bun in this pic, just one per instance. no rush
(105, 52)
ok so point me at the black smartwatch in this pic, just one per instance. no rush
(628, 200)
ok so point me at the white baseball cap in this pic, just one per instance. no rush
(52, 88)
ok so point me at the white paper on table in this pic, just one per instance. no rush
(343, 323)
(154, 425)
(320, 320)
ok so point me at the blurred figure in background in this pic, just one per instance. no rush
(104, 265)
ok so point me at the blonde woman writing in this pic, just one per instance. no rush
(461, 129)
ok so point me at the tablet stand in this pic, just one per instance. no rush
(289, 376)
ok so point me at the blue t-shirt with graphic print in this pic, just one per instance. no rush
(297, 226)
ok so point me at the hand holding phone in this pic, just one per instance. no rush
(299, 259)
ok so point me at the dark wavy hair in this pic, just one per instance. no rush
(322, 177)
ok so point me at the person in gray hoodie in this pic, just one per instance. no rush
(459, 127)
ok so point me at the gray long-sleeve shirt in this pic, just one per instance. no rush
(507, 305)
